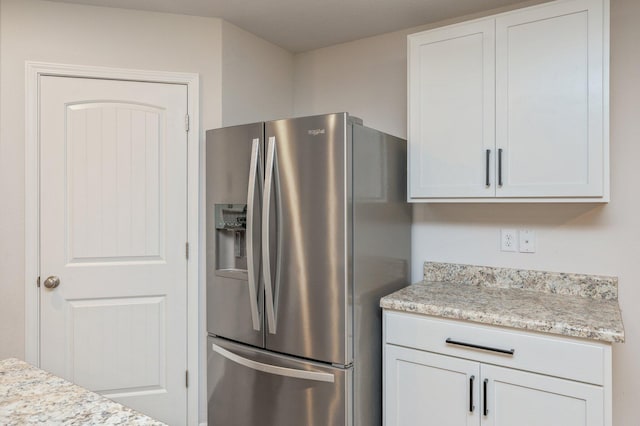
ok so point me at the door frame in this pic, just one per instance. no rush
(33, 72)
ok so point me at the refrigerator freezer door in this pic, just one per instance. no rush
(309, 282)
(248, 387)
(235, 296)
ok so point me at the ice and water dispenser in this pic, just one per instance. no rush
(231, 234)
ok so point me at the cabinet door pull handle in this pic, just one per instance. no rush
(484, 348)
(500, 167)
(485, 409)
(486, 178)
(471, 407)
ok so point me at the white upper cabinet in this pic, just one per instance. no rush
(512, 107)
(451, 111)
(549, 100)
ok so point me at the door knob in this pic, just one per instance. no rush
(52, 282)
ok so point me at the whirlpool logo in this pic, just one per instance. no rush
(316, 132)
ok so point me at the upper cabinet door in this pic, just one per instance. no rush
(451, 111)
(550, 100)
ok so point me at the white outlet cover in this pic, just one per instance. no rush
(508, 240)
(527, 241)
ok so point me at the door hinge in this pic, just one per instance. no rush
(186, 378)
(38, 282)
(186, 250)
(186, 122)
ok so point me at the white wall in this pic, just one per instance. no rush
(367, 78)
(257, 78)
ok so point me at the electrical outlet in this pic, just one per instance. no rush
(508, 240)
(527, 241)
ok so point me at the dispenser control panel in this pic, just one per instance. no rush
(231, 241)
(232, 217)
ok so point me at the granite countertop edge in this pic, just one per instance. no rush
(427, 303)
(29, 395)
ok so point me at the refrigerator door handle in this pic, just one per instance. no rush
(266, 252)
(254, 175)
(274, 369)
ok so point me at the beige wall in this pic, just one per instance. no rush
(368, 77)
(257, 78)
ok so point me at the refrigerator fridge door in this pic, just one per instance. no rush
(307, 278)
(248, 387)
(235, 296)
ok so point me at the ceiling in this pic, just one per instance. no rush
(302, 25)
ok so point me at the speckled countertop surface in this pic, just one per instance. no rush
(536, 307)
(30, 396)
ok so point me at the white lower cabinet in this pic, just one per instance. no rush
(454, 384)
(430, 389)
(526, 399)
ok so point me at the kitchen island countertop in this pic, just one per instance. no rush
(29, 395)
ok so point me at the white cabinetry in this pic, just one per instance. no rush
(545, 381)
(526, 399)
(451, 111)
(512, 107)
(430, 389)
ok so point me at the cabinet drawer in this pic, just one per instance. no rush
(556, 356)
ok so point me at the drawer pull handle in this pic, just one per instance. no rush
(500, 167)
(487, 183)
(471, 407)
(484, 348)
(485, 409)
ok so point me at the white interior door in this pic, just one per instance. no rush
(113, 229)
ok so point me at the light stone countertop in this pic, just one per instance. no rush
(528, 307)
(30, 396)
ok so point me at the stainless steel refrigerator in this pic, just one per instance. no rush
(307, 227)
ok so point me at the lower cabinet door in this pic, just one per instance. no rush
(526, 399)
(422, 388)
